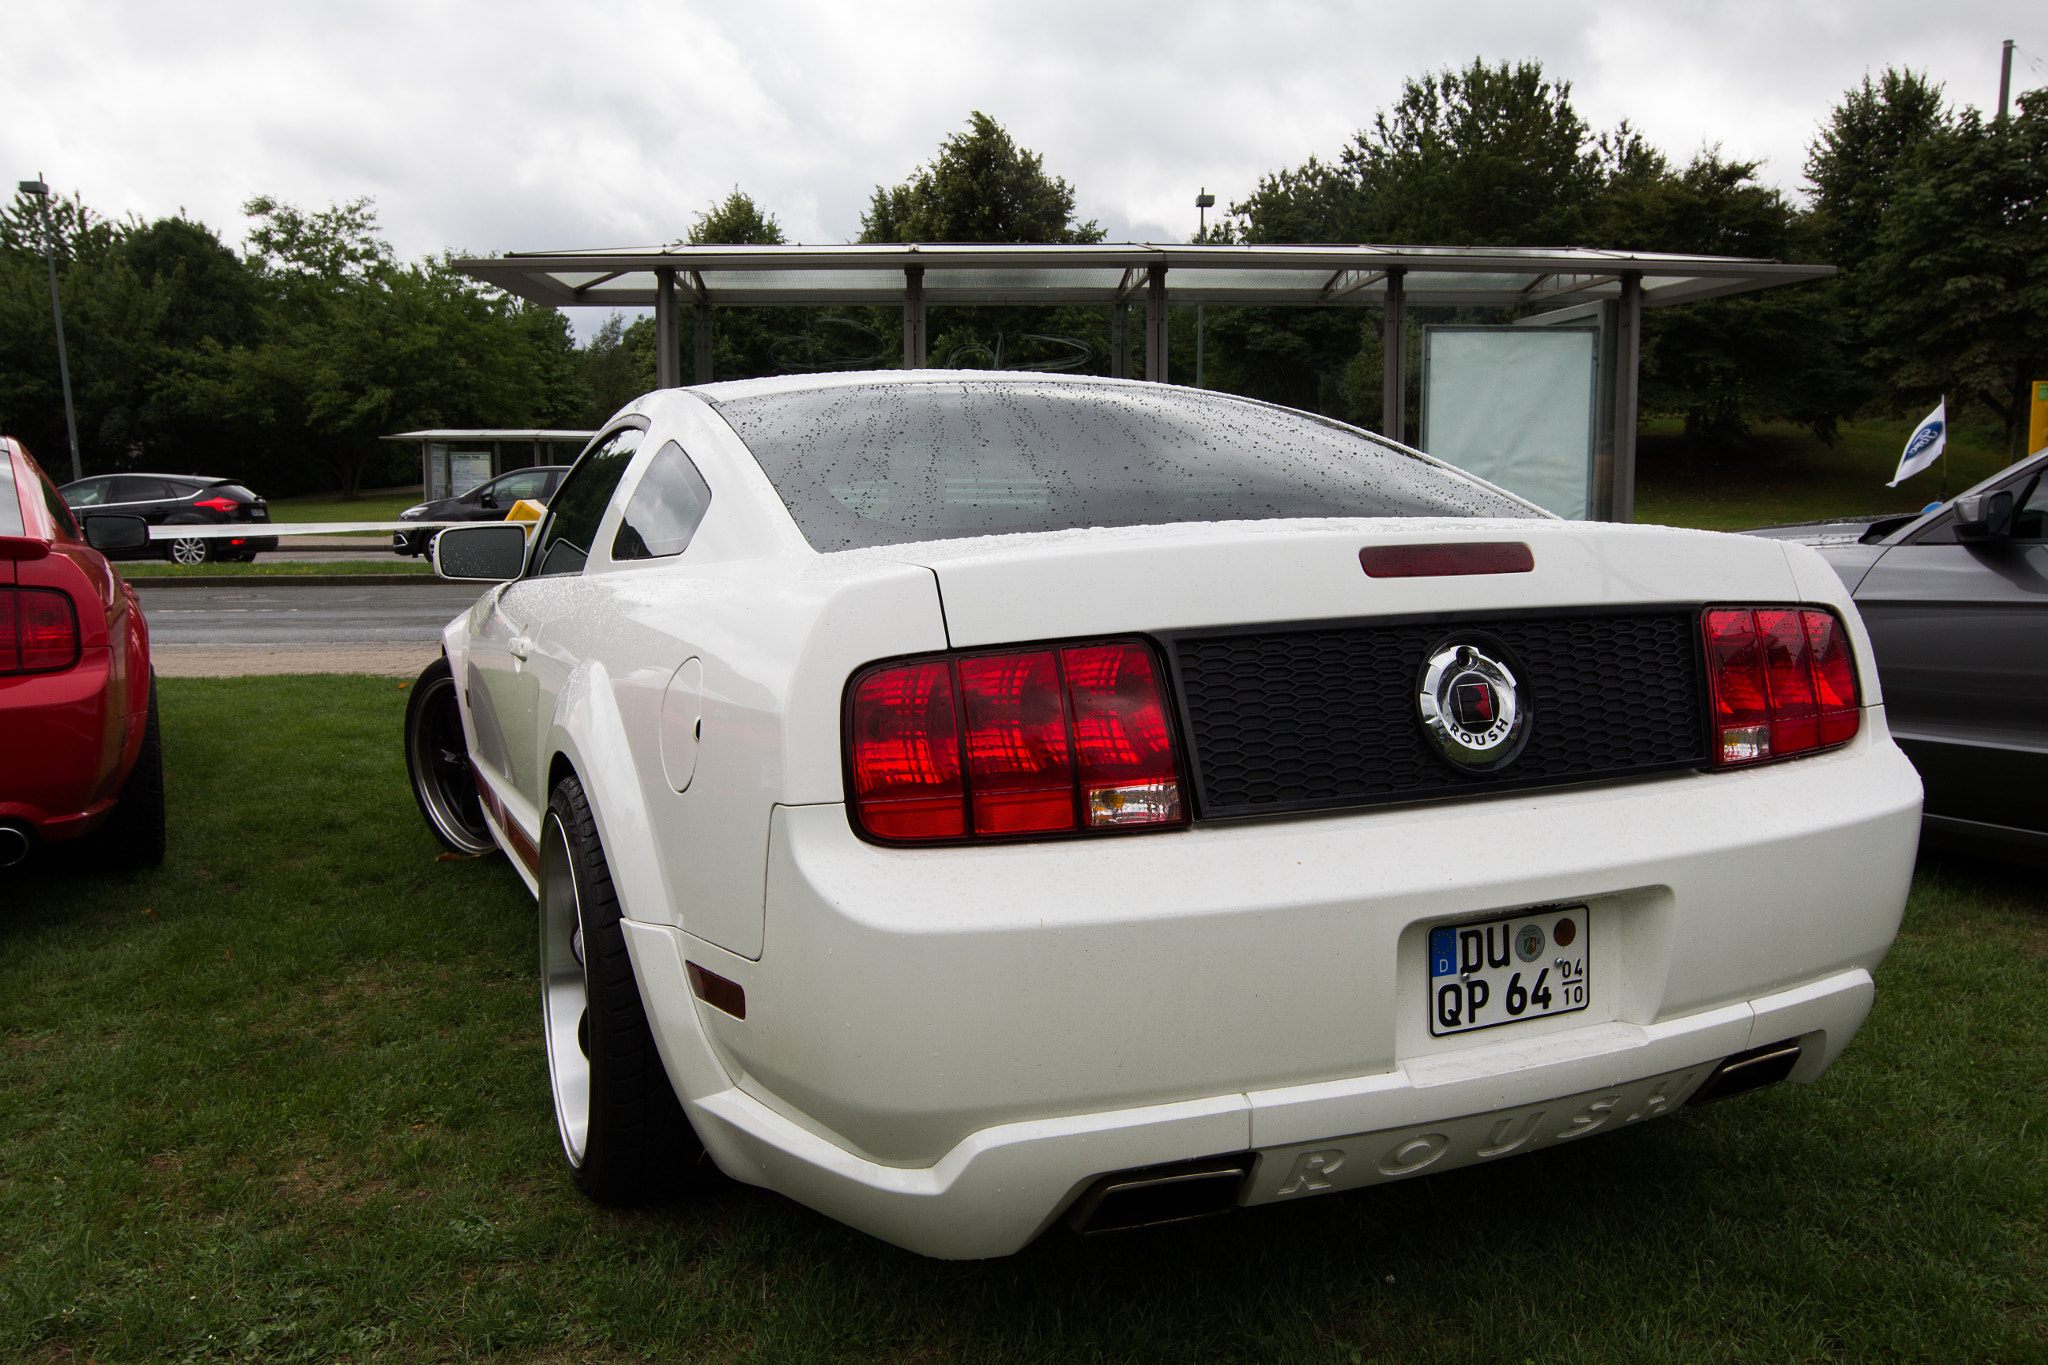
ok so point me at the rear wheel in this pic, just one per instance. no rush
(188, 550)
(623, 1133)
(437, 760)
(133, 835)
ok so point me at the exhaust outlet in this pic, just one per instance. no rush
(1747, 1071)
(14, 845)
(1151, 1196)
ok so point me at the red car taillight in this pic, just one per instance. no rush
(1782, 682)
(38, 630)
(224, 506)
(1057, 740)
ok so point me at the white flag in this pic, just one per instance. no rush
(1923, 445)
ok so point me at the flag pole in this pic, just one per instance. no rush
(1944, 449)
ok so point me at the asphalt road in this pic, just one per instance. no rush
(241, 612)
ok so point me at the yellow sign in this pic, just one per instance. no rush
(528, 511)
(2037, 429)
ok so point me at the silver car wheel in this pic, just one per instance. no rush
(565, 996)
(188, 550)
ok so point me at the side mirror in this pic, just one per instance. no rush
(494, 552)
(116, 532)
(1987, 516)
(487, 499)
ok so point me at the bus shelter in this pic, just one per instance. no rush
(1543, 403)
(454, 460)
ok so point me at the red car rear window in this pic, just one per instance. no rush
(60, 511)
(10, 506)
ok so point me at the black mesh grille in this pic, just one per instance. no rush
(1313, 718)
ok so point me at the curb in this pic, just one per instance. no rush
(148, 582)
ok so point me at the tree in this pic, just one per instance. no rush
(356, 346)
(1857, 164)
(735, 220)
(1958, 280)
(982, 187)
(1726, 363)
(746, 342)
(1486, 156)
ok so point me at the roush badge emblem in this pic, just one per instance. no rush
(1474, 710)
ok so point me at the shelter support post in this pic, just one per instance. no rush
(1628, 357)
(1394, 341)
(1120, 341)
(703, 368)
(1155, 324)
(913, 317)
(668, 369)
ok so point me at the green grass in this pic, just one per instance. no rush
(1787, 475)
(281, 568)
(377, 504)
(283, 1100)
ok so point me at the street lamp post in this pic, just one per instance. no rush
(1204, 201)
(41, 191)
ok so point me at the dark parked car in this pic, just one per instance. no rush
(176, 500)
(1956, 599)
(486, 502)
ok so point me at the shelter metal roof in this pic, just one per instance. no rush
(752, 276)
(489, 434)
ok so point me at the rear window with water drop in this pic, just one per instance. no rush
(887, 463)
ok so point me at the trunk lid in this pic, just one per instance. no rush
(1004, 589)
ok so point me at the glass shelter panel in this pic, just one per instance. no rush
(1515, 405)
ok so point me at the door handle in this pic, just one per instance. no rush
(518, 647)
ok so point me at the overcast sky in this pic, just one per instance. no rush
(518, 126)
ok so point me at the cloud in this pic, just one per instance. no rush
(520, 125)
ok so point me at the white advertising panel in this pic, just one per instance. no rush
(1514, 405)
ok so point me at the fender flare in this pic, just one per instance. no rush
(589, 733)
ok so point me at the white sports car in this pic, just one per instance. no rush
(965, 802)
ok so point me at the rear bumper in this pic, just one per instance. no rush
(63, 735)
(943, 1046)
(999, 1188)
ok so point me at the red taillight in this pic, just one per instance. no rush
(38, 630)
(1019, 767)
(1056, 741)
(1782, 681)
(905, 742)
(1127, 771)
(224, 506)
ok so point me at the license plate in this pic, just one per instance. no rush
(1503, 971)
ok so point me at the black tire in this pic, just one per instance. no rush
(624, 1136)
(133, 836)
(189, 550)
(437, 761)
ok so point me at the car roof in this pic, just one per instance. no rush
(208, 479)
(730, 389)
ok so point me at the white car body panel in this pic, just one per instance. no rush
(944, 1045)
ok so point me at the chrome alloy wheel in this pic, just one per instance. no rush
(188, 550)
(565, 995)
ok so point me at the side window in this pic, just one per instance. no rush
(91, 493)
(513, 487)
(60, 512)
(665, 509)
(132, 489)
(580, 505)
(2031, 521)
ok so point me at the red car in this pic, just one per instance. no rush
(79, 749)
